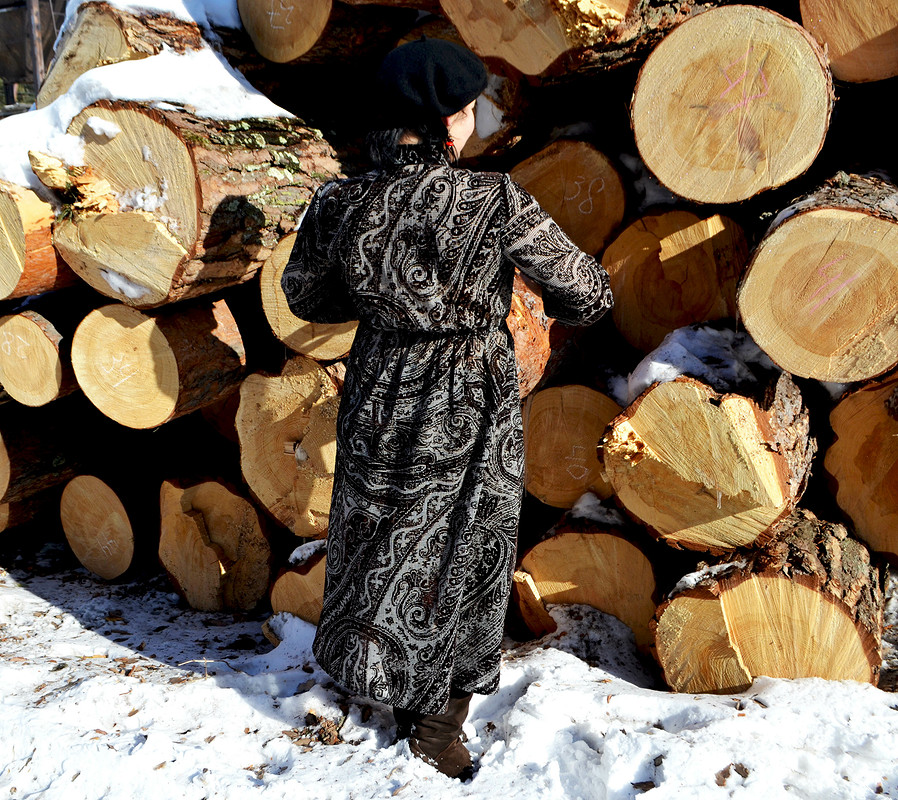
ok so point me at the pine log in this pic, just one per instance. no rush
(860, 36)
(299, 588)
(557, 40)
(212, 546)
(863, 463)
(142, 370)
(531, 330)
(194, 205)
(819, 295)
(321, 31)
(29, 264)
(673, 269)
(286, 425)
(101, 34)
(587, 563)
(580, 189)
(97, 526)
(732, 102)
(562, 426)
(707, 471)
(809, 604)
(36, 508)
(321, 341)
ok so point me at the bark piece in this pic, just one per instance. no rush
(809, 604)
(820, 292)
(213, 547)
(580, 189)
(707, 471)
(29, 264)
(142, 370)
(290, 477)
(201, 203)
(562, 426)
(673, 269)
(863, 463)
(860, 36)
(732, 102)
(595, 565)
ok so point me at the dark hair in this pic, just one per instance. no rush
(385, 151)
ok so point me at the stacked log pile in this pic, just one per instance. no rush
(165, 404)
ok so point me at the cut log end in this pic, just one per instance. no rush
(31, 369)
(300, 590)
(97, 527)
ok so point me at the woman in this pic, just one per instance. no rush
(429, 476)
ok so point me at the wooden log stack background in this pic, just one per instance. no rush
(730, 164)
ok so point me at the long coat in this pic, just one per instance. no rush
(429, 470)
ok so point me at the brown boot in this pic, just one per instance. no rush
(436, 738)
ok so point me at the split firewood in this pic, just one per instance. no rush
(673, 269)
(321, 31)
(862, 463)
(809, 604)
(565, 38)
(286, 425)
(143, 370)
(819, 294)
(299, 588)
(588, 563)
(860, 36)
(710, 471)
(212, 546)
(194, 204)
(101, 34)
(579, 187)
(29, 264)
(732, 102)
(562, 426)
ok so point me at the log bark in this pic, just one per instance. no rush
(321, 31)
(586, 563)
(862, 463)
(200, 203)
(579, 187)
(101, 34)
(860, 36)
(286, 425)
(809, 604)
(732, 102)
(212, 546)
(707, 471)
(142, 370)
(819, 294)
(673, 269)
(299, 588)
(562, 426)
(29, 264)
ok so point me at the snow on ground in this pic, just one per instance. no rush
(120, 691)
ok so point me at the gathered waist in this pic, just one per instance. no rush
(431, 334)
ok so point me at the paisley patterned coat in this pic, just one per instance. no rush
(429, 475)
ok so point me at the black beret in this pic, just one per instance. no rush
(431, 77)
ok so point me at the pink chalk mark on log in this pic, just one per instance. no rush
(732, 84)
(822, 271)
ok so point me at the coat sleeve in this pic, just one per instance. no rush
(312, 281)
(576, 288)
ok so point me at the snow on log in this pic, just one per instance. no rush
(143, 370)
(195, 204)
(212, 546)
(820, 293)
(863, 463)
(592, 564)
(732, 102)
(29, 264)
(673, 269)
(102, 34)
(562, 426)
(709, 471)
(860, 36)
(579, 187)
(809, 604)
(286, 425)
